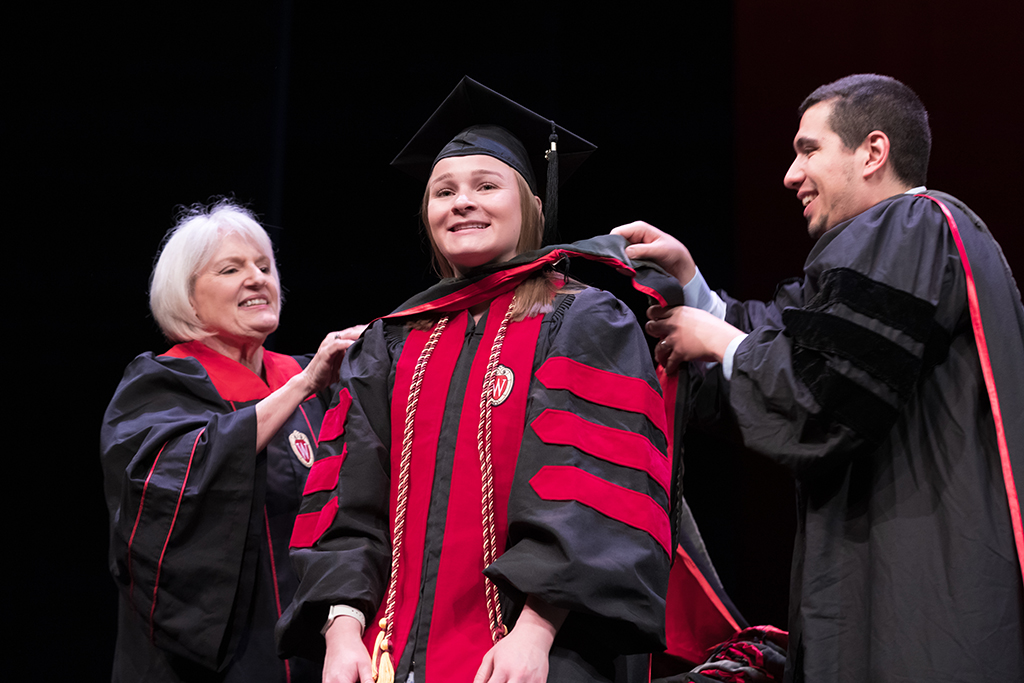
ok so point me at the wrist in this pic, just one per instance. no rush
(686, 272)
(540, 621)
(726, 338)
(347, 618)
(302, 385)
(539, 635)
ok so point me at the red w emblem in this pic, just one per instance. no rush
(499, 387)
(503, 381)
(301, 447)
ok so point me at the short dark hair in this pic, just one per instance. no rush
(865, 102)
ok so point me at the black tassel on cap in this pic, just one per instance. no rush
(551, 200)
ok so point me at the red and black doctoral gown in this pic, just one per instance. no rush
(199, 521)
(582, 483)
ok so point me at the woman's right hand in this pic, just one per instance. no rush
(323, 369)
(272, 411)
(347, 660)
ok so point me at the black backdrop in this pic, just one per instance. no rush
(296, 110)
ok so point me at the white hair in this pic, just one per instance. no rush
(188, 246)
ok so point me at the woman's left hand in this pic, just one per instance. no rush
(323, 369)
(522, 655)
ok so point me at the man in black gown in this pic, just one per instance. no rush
(867, 379)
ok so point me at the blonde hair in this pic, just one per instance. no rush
(534, 296)
(188, 246)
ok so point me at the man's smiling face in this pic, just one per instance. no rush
(825, 173)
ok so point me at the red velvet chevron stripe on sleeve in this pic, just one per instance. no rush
(309, 527)
(614, 445)
(640, 511)
(604, 388)
(334, 419)
(323, 476)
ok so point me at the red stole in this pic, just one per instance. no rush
(459, 633)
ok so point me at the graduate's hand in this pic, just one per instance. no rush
(522, 655)
(651, 244)
(688, 334)
(347, 660)
(323, 369)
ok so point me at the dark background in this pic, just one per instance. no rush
(296, 110)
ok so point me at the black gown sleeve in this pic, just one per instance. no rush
(830, 362)
(588, 523)
(349, 562)
(180, 477)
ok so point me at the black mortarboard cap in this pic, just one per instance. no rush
(476, 120)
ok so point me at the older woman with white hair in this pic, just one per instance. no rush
(205, 451)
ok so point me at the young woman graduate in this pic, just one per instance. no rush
(490, 498)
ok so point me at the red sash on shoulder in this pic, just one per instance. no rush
(990, 384)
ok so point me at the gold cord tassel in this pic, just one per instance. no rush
(381, 666)
(384, 672)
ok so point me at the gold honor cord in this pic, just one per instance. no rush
(483, 445)
(383, 667)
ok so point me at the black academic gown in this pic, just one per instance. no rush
(864, 378)
(200, 521)
(582, 484)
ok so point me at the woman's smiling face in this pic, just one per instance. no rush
(235, 295)
(474, 211)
